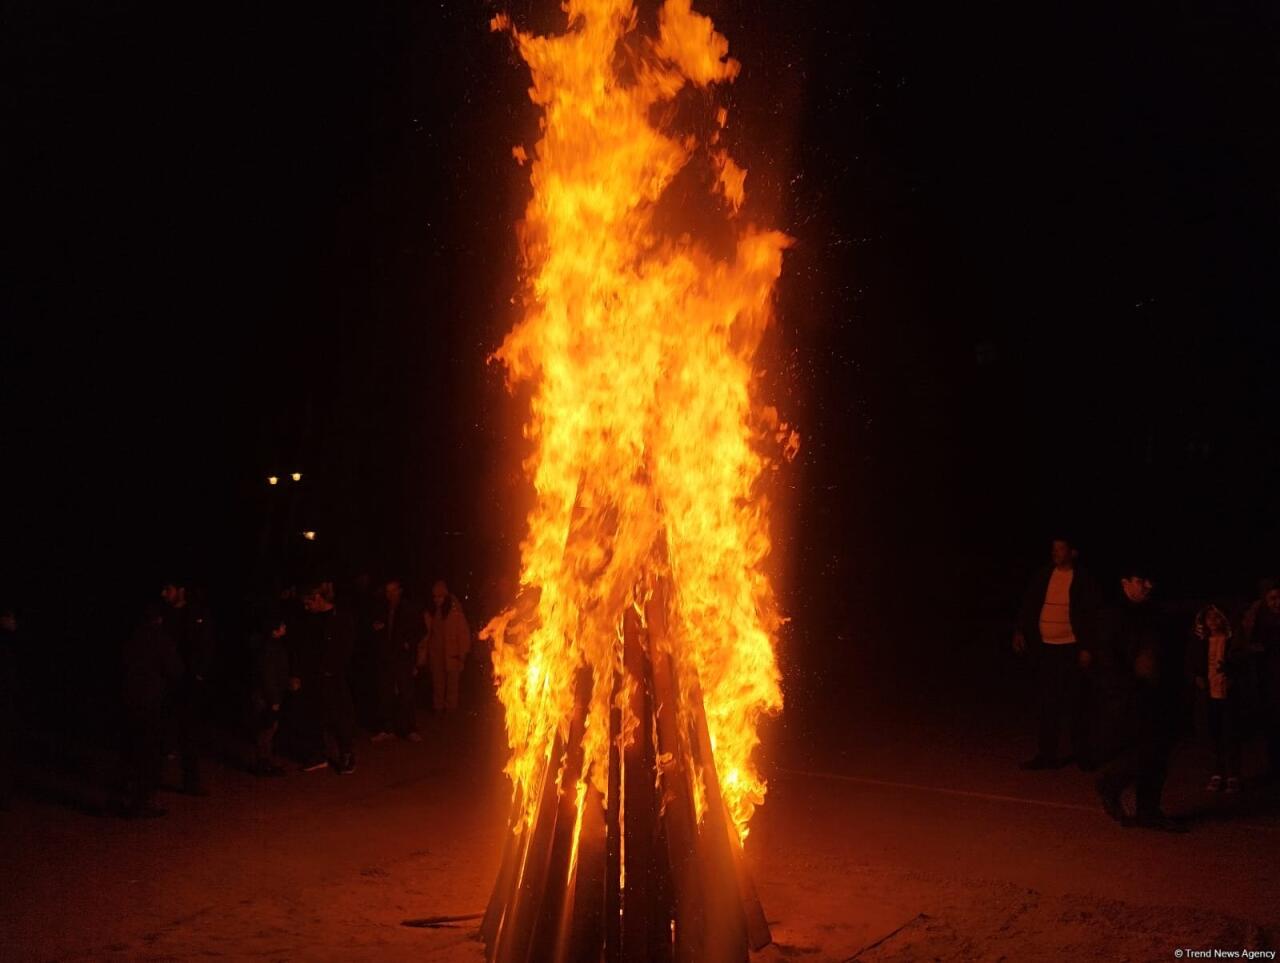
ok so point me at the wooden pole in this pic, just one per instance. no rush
(721, 828)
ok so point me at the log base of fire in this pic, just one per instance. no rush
(639, 877)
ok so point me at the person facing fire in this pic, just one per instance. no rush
(1058, 622)
(322, 659)
(1261, 625)
(153, 676)
(398, 629)
(1142, 654)
(187, 623)
(1215, 662)
(447, 643)
(270, 682)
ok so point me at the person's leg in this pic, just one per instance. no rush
(1149, 785)
(1116, 776)
(1083, 709)
(339, 715)
(190, 715)
(308, 703)
(453, 680)
(264, 747)
(143, 759)
(439, 684)
(1052, 686)
(1214, 717)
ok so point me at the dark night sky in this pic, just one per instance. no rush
(1034, 285)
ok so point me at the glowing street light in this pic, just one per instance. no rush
(296, 476)
(309, 536)
(273, 480)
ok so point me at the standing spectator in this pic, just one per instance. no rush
(1262, 635)
(329, 641)
(447, 643)
(270, 683)
(304, 709)
(187, 624)
(398, 631)
(362, 600)
(153, 675)
(1215, 660)
(1140, 653)
(1058, 620)
(8, 702)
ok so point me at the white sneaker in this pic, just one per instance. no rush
(316, 766)
(380, 737)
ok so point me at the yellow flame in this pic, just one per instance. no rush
(648, 448)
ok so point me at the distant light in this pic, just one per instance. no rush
(296, 476)
(273, 480)
(309, 536)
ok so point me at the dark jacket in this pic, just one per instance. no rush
(1085, 607)
(1139, 655)
(192, 633)
(322, 645)
(1262, 633)
(152, 668)
(270, 670)
(401, 631)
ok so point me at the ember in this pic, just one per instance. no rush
(636, 664)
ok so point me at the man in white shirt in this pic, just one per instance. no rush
(1058, 622)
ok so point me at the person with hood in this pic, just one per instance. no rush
(153, 675)
(1261, 626)
(447, 643)
(1058, 622)
(398, 630)
(1140, 652)
(1215, 662)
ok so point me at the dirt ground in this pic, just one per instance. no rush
(909, 838)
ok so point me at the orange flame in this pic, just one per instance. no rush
(648, 450)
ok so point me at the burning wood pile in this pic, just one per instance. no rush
(638, 660)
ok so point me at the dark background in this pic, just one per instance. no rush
(1033, 288)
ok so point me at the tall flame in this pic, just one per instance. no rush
(648, 450)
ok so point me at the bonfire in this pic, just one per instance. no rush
(638, 660)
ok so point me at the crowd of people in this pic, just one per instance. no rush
(313, 655)
(1120, 676)
(1121, 679)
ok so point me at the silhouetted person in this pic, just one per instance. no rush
(8, 703)
(187, 623)
(398, 630)
(1058, 622)
(270, 684)
(447, 643)
(153, 675)
(1216, 661)
(320, 677)
(1262, 634)
(1141, 653)
(363, 601)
